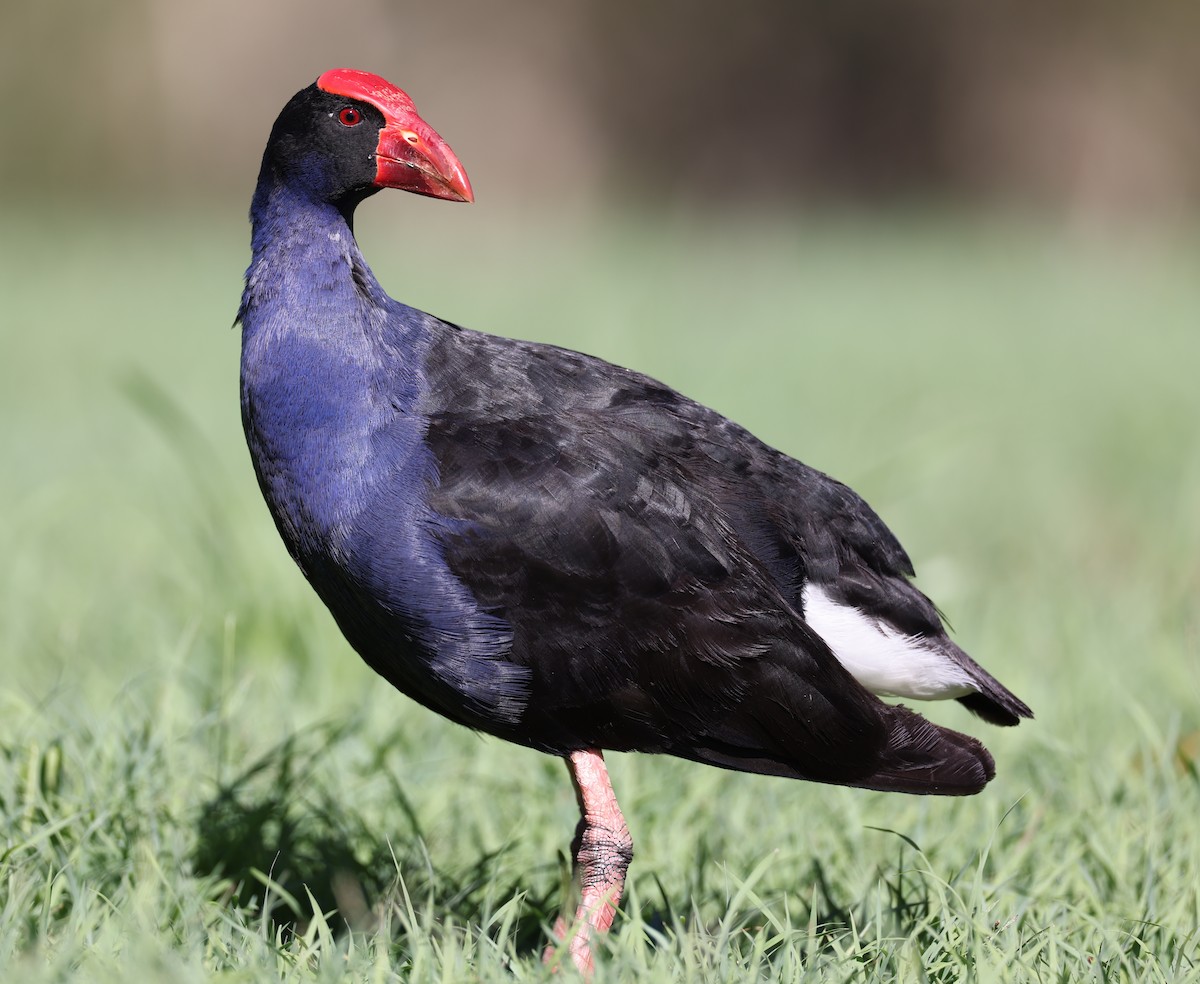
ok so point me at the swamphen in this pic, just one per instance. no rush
(558, 551)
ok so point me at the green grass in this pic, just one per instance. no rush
(199, 781)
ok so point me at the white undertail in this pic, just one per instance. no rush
(885, 661)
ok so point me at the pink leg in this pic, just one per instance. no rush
(603, 850)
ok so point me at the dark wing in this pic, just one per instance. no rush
(811, 529)
(590, 514)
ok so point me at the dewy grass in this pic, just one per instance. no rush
(199, 781)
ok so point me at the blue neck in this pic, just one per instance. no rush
(333, 379)
(304, 257)
(328, 361)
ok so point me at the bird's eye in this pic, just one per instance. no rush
(349, 116)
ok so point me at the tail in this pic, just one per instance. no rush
(921, 757)
(992, 701)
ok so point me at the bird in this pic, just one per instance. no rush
(557, 551)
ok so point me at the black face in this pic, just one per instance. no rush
(325, 145)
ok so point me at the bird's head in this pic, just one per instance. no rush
(351, 133)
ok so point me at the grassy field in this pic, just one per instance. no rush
(200, 781)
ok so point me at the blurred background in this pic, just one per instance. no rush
(946, 252)
(1080, 110)
(943, 251)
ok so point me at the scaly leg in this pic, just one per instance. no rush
(602, 851)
